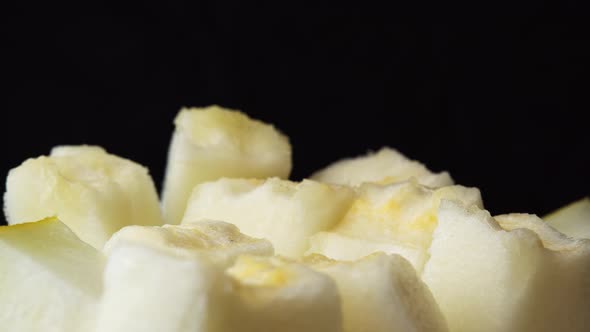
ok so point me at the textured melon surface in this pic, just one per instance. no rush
(572, 220)
(275, 294)
(385, 166)
(397, 218)
(210, 143)
(513, 273)
(50, 280)
(376, 243)
(382, 293)
(171, 278)
(94, 193)
(284, 212)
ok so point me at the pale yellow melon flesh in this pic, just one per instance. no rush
(212, 142)
(573, 219)
(274, 294)
(94, 193)
(382, 293)
(397, 218)
(284, 212)
(50, 280)
(385, 166)
(171, 278)
(513, 273)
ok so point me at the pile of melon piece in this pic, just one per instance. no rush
(375, 243)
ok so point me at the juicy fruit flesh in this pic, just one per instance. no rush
(148, 289)
(174, 273)
(397, 218)
(405, 212)
(385, 166)
(220, 241)
(210, 143)
(382, 293)
(503, 275)
(345, 248)
(573, 219)
(50, 240)
(91, 191)
(255, 272)
(507, 273)
(275, 294)
(49, 279)
(231, 129)
(284, 212)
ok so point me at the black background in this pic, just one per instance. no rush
(500, 103)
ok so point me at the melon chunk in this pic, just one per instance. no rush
(274, 294)
(385, 166)
(382, 293)
(397, 218)
(513, 273)
(347, 248)
(284, 212)
(572, 220)
(94, 193)
(171, 278)
(50, 280)
(210, 143)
